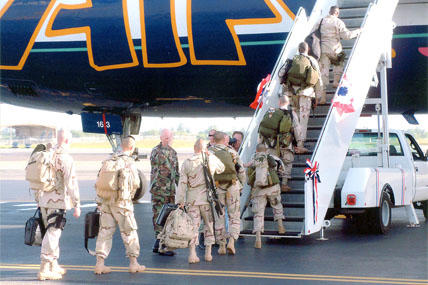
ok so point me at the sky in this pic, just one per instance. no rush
(10, 115)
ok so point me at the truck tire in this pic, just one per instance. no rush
(425, 209)
(380, 218)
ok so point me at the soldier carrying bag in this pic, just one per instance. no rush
(92, 227)
(34, 230)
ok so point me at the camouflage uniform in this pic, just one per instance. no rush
(164, 176)
(332, 30)
(229, 194)
(259, 196)
(192, 190)
(286, 154)
(301, 103)
(120, 212)
(64, 197)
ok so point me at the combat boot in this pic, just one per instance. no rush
(46, 273)
(163, 250)
(100, 268)
(281, 229)
(55, 267)
(258, 243)
(208, 256)
(193, 257)
(134, 266)
(222, 248)
(231, 246)
(285, 188)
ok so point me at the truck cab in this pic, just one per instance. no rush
(367, 189)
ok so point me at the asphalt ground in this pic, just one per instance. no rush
(348, 257)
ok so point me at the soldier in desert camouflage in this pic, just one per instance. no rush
(192, 191)
(164, 177)
(229, 184)
(53, 205)
(120, 211)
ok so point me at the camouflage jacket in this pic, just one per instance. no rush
(164, 174)
(66, 193)
(240, 171)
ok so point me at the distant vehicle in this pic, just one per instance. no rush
(366, 192)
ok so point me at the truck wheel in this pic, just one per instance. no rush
(381, 217)
(425, 209)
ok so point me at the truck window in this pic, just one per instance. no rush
(414, 147)
(395, 148)
(365, 144)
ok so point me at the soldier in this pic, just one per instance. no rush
(211, 134)
(53, 206)
(332, 30)
(239, 136)
(300, 88)
(164, 176)
(229, 184)
(279, 123)
(119, 210)
(265, 186)
(192, 191)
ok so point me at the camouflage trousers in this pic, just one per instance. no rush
(301, 108)
(204, 212)
(287, 157)
(157, 202)
(230, 198)
(259, 200)
(325, 62)
(112, 216)
(50, 243)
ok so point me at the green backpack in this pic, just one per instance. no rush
(302, 72)
(273, 177)
(269, 125)
(229, 173)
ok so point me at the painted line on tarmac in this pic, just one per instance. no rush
(239, 274)
(25, 205)
(88, 205)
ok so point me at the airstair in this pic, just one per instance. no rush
(331, 125)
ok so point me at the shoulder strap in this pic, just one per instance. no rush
(319, 27)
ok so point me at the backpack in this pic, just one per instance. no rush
(178, 230)
(229, 174)
(314, 43)
(114, 178)
(269, 125)
(285, 136)
(264, 174)
(302, 73)
(283, 71)
(40, 171)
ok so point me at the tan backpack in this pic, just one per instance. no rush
(178, 230)
(114, 177)
(40, 171)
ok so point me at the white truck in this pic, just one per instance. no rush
(367, 189)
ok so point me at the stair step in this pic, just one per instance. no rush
(352, 13)
(294, 192)
(287, 219)
(293, 204)
(353, 23)
(288, 234)
(353, 4)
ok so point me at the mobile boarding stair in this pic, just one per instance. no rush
(331, 126)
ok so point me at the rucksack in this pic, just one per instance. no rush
(269, 125)
(229, 174)
(314, 43)
(283, 71)
(265, 174)
(40, 171)
(178, 230)
(115, 177)
(302, 73)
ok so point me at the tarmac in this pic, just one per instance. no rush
(347, 257)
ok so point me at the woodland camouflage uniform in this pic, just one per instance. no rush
(164, 177)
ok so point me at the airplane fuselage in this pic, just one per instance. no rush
(182, 57)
